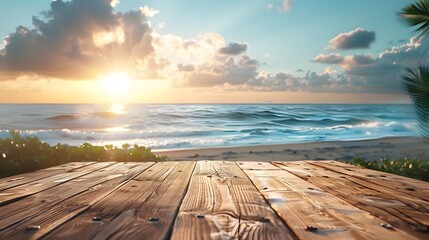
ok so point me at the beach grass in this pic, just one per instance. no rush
(408, 167)
(25, 154)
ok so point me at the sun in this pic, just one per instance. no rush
(116, 83)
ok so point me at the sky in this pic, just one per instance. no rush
(224, 51)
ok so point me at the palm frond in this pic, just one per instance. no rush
(416, 83)
(417, 14)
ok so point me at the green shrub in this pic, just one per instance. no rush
(408, 167)
(25, 154)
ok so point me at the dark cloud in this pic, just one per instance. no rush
(333, 58)
(185, 68)
(78, 39)
(356, 39)
(234, 48)
(223, 69)
(381, 73)
(360, 73)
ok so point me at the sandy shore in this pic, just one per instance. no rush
(390, 147)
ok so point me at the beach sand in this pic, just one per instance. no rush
(389, 147)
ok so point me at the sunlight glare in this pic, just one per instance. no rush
(117, 108)
(116, 83)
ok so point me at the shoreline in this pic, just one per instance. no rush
(373, 149)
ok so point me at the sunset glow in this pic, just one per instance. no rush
(258, 52)
(116, 83)
(117, 108)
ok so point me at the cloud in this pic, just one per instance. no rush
(83, 39)
(286, 5)
(149, 12)
(185, 68)
(333, 58)
(79, 40)
(382, 73)
(234, 48)
(356, 39)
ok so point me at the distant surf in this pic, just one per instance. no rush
(194, 126)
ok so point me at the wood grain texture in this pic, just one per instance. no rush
(109, 209)
(24, 178)
(208, 210)
(315, 214)
(21, 191)
(53, 217)
(408, 186)
(40, 202)
(382, 203)
(257, 219)
(386, 204)
(153, 218)
(212, 200)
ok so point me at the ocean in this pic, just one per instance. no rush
(201, 126)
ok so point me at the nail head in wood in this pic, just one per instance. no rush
(33, 228)
(386, 225)
(311, 229)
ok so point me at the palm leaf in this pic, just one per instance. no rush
(416, 83)
(417, 14)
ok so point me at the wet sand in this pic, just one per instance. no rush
(389, 147)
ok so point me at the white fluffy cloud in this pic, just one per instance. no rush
(333, 58)
(79, 40)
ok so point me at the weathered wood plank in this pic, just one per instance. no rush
(257, 219)
(125, 199)
(60, 213)
(315, 214)
(208, 210)
(408, 186)
(257, 165)
(24, 178)
(21, 191)
(389, 206)
(154, 217)
(42, 201)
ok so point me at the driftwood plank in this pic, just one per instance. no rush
(24, 178)
(390, 206)
(60, 213)
(208, 210)
(408, 186)
(257, 219)
(125, 199)
(21, 191)
(153, 218)
(42, 201)
(315, 214)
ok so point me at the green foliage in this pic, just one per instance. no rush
(417, 84)
(408, 167)
(25, 154)
(416, 81)
(417, 14)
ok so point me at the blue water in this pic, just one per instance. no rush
(191, 126)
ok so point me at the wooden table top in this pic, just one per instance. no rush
(213, 200)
